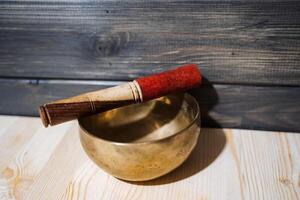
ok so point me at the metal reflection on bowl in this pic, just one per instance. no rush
(142, 141)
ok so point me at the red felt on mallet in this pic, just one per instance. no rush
(142, 89)
(176, 80)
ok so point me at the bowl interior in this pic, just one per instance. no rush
(152, 120)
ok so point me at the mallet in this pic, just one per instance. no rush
(140, 90)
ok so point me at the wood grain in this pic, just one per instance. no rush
(226, 164)
(252, 107)
(251, 42)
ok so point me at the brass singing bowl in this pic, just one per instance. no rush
(143, 141)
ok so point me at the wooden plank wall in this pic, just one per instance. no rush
(249, 52)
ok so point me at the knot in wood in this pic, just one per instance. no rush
(111, 44)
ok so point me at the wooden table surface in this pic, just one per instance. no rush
(40, 163)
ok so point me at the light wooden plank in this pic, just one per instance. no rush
(226, 164)
(20, 167)
(16, 136)
(66, 160)
(264, 164)
(292, 142)
(6, 122)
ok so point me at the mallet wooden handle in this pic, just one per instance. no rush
(139, 90)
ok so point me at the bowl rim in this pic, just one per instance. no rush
(186, 96)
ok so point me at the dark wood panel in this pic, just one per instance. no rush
(251, 42)
(236, 106)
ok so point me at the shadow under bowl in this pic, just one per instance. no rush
(142, 141)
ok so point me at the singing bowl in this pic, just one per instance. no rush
(142, 141)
